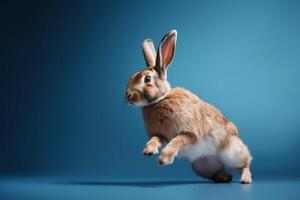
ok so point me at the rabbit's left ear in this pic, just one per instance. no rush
(149, 52)
(166, 52)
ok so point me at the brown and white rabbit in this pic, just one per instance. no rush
(183, 124)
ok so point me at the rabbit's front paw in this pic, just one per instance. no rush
(149, 150)
(165, 160)
(166, 157)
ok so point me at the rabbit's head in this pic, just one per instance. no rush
(150, 85)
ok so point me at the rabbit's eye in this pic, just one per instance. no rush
(147, 79)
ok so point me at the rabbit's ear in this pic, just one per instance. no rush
(149, 53)
(166, 51)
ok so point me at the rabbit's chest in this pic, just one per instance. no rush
(162, 122)
(163, 127)
(171, 116)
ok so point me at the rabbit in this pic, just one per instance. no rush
(183, 125)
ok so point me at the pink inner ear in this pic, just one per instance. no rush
(167, 52)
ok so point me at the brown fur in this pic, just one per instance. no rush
(136, 78)
(181, 111)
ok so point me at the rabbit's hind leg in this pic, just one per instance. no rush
(237, 156)
(211, 168)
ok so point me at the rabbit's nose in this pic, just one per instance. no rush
(129, 95)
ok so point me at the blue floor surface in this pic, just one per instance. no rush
(23, 189)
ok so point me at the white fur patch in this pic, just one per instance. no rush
(234, 155)
(139, 86)
(201, 149)
(230, 159)
(139, 104)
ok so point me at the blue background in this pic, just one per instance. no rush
(65, 65)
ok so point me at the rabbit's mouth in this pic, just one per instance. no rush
(130, 103)
(145, 98)
(132, 96)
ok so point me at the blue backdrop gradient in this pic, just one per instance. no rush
(65, 65)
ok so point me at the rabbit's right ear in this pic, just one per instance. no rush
(166, 52)
(149, 52)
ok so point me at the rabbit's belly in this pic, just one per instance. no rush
(202, 148)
